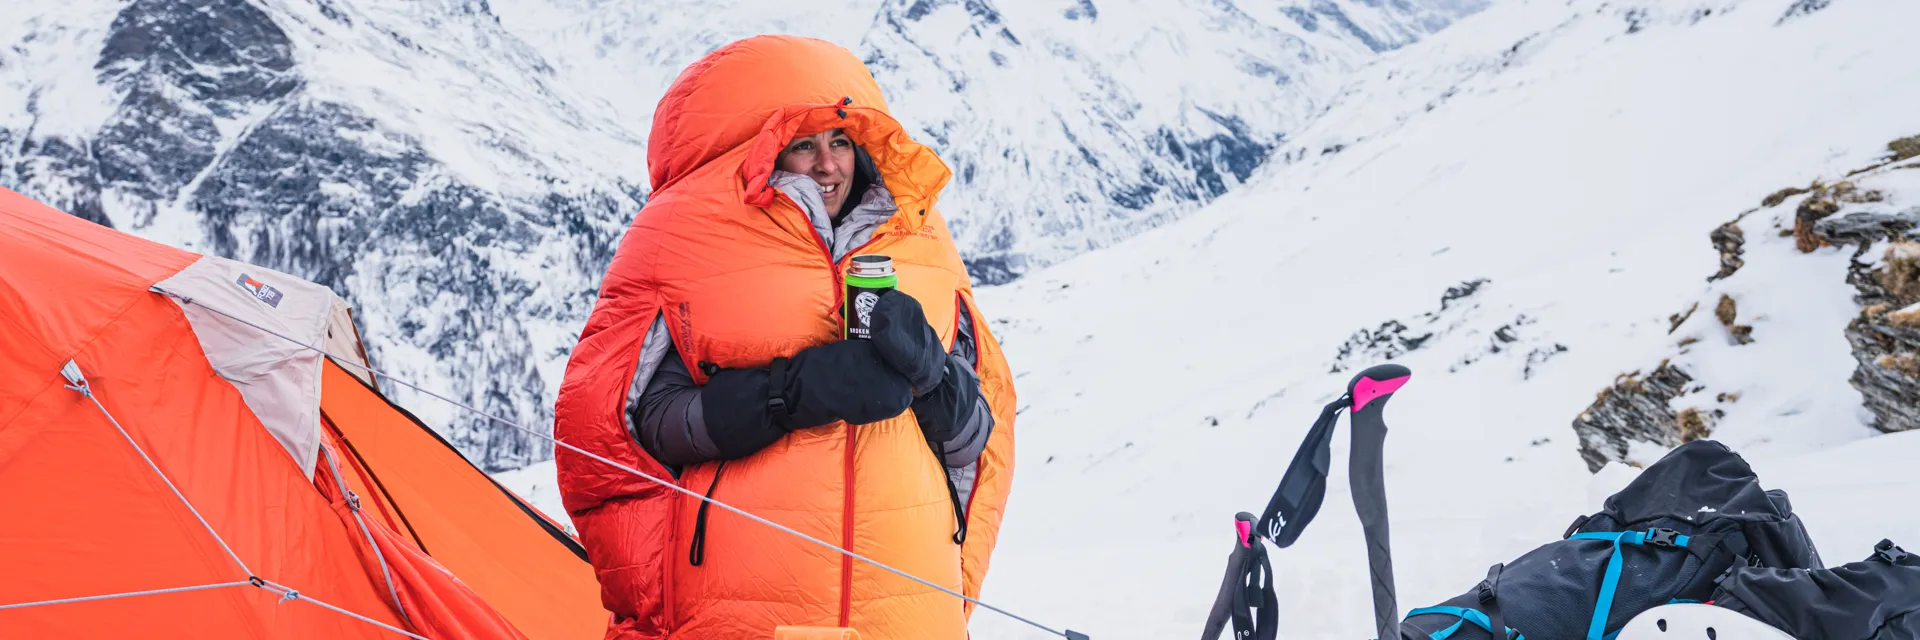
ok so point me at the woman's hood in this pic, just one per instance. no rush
(726, 98)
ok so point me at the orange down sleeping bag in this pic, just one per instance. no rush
(740, 277)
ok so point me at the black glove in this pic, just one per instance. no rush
(844, 380)
(907, 342)
(949, 406)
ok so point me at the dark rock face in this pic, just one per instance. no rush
(1730, 241)
(1634, 409)
(1865, 228)
(305, 191)
(63, 167)
(1390, 340)
(324, 191)
(1801, 8)
(1460, 328)
(1886, 337)
(181, 65)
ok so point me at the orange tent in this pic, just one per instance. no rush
(176, 461)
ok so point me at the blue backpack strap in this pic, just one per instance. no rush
(1603, 606)
(1465, 615)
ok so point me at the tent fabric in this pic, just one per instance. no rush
(83, 513)
(279, 379)
(343, 341)
(522, 564)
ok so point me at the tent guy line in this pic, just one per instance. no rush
(353, 504)
(129, 594)
(77, 382)
(346, 362)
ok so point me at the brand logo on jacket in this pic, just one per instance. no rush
(261, 291)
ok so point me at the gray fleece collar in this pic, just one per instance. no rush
(875, 208)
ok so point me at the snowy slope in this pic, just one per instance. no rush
(461, 170)
(1515, 209)
(1575, 156)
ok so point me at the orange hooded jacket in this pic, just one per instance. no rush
(740, 276)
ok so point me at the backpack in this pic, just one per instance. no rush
(1667, 537)
(1874, 599)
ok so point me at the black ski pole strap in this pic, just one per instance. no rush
(1304, 487)
(1246, 597)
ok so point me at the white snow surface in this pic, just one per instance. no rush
(1575, 155)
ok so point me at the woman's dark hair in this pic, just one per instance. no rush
(865, 175)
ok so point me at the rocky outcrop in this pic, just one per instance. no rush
(1394, 338)
(1728, 313)
(1636, 409)
(1886, 337)
(1462, 327)
(1823, 201)
(1731, 242)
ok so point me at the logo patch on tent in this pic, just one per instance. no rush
(261, 290)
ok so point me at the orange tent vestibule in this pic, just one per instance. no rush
(171, 468)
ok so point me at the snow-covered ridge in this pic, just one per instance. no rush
(460, 170)
(1069, 124)
(1577, 157)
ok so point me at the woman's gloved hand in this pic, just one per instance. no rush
(844, 380)
(907, 343)
(946, 411)
(947, 400)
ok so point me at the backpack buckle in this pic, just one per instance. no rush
(1663, 537)
(1890, 553)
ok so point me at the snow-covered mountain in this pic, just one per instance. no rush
(1069, 124)
(461, 170)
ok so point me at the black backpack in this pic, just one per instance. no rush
(1668, 537)
(1874, 599)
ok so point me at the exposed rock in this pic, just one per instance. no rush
(1823, 201)
(1394, 338)
(1801, 8)
(1908, 147)
(1727, 312)
(1818, 205)
(1390, 340)
(1731, 242)
(1635, 409)
(64, 169)
(1866, 228)
(1461, 291)
(1886, 338)
(1539, 357)
(1674, 321)
(1774, 199)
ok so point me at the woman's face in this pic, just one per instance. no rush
(827, 158)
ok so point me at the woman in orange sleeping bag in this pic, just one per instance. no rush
(714, 357)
